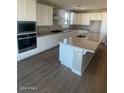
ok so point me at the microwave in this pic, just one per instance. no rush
(26, 26)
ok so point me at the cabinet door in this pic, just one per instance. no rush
(44, 15)
(66, 55)
(30, 10)
(20, 10)
(77, 61)
(41, 14)
(98, 16)
(26, 10)
(50, 42)
(40, 44)
(79, 19)
(50, 15)
(92, 16)
(85, 19)
(95, 16)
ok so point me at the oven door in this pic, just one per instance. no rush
(26, 42)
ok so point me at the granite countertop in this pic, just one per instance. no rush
(43, 33)
(82, 43)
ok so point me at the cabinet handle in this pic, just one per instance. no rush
(26, 38)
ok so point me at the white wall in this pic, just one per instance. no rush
(103, 33)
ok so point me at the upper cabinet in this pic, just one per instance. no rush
(72, 18)
(79, 18)
(44, 15)
(84, 18)
(95, 16)
(26, 10)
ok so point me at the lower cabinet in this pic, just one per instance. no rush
(47, 42)
(43, 43)
(40, 44)
(65, 57)
(51, 41)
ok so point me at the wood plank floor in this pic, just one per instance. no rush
(44, 74)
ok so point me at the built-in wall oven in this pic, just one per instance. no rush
(27, 36)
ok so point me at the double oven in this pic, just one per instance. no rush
(26, 35)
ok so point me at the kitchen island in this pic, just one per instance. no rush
(76, 52)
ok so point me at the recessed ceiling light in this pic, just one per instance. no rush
(80, 7)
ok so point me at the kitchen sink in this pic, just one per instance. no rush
(56, 31)
(81, 36)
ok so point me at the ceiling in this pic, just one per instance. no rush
(78, 4)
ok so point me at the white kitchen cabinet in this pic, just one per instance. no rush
(20, 10)
(44, 15)
(47, 42)
(83, 19)
(77, 61)
(31, 10)
(40, 44)
(74, 58)
(72, 18)
(66, 55)
(98, 16)
(26, 10)
(50, 15)
(50, 42)
(79, 19)
(92, 16)
(95, 16)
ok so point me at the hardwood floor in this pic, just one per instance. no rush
(43, 73)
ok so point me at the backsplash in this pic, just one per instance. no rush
(82, 27)
(49, 28)
(59, 27)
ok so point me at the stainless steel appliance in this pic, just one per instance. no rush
(27, 36)
(26, 26)
(27, 42)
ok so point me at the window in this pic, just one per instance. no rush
(66, 21)
(66, 18)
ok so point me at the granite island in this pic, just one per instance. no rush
(76, 52)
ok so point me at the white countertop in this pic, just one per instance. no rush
(42, 34)
(82, 43)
